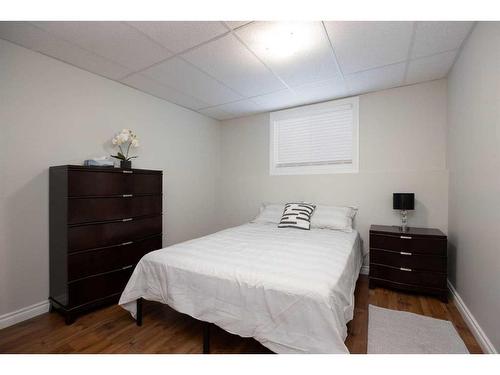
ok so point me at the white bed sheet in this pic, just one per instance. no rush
(292, 290)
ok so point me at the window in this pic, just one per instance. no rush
(315, 139)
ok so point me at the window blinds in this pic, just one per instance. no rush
(321, 138)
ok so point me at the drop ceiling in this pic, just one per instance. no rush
(237, 68)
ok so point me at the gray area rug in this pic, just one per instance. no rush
(400, 332)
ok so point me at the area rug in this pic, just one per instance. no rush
(400, 332)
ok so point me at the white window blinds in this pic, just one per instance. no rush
(315, 137)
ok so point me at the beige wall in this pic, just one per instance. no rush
(402, 148)
(474, 164)
(52, 113)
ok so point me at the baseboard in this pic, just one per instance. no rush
(365, 270)
(23, 314)
(471, 322)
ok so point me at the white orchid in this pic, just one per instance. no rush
(128, 138)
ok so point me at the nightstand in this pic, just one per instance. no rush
(415, 260)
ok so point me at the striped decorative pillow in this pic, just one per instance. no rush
(297, 215)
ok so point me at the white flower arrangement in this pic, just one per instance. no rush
(126, 138)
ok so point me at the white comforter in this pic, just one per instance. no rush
(292, 290)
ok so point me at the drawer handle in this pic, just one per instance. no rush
(129, 172)
(128, 219)
(405, 237)
(405, 269)
(127, 195)
(127, 267)
(405, 253)
(127, 243)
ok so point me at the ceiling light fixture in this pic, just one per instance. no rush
(282, 40)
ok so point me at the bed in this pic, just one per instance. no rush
(292, 290)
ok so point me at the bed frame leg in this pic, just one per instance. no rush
(206, 338)
(139, 312)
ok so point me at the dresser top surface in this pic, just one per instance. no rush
(104, 169)
(394, 229)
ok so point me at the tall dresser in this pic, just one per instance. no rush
(102, 221)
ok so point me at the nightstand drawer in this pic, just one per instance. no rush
(407, 259)
(408, 276)
(409, 243)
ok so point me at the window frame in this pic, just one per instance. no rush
(307, 111)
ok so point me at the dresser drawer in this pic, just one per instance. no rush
(101, 183)
(96, 287)
(420, 278)
(408, 243)
(82, 210)
(91, 262)
(141, 183)
(92, 236)
(408, 260)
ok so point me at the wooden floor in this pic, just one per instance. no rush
(112, 330)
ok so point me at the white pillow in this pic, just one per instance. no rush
(333, 217)
(270, 213)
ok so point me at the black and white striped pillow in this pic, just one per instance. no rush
(297, 215)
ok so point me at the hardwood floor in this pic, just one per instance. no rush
(112, 330)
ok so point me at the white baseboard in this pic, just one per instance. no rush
(471, 322)
(365, 270)
(23, 314)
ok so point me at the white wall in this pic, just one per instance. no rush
(474, 187)
(402, 148)
(52, 113)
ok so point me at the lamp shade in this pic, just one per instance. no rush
(403, 201)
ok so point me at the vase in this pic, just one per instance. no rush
(125, 164)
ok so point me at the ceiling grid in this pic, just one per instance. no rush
(229, 69)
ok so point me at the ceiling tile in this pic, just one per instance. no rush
(216, 113)
(429, 68)
(115, 41)
(178, 36)
(321, 91)
(226, 71)
(434, 37)
(299, 52)
(232, 63)
(366, 45)
(235, 24)
(184, 77)
(31, 37)
(152, 87)
(376, 79)
(277, 100)
(241, 107)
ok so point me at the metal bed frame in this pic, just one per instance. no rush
(206, 327)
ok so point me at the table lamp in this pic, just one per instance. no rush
(403, 202)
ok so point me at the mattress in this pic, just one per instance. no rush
(290, 289)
